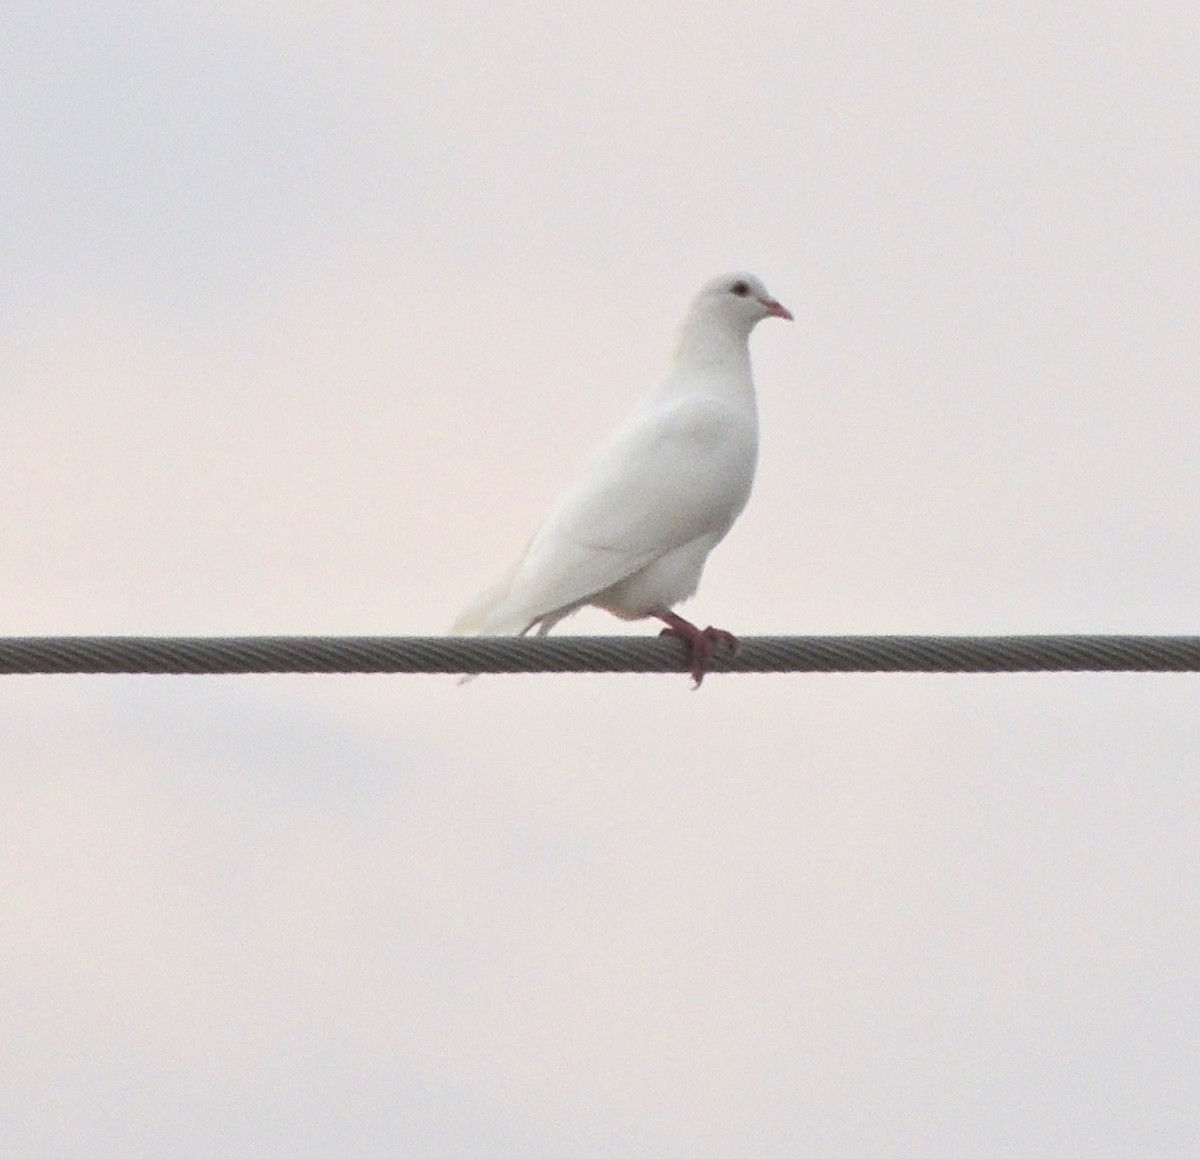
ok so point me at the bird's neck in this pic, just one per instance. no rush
(713, 354)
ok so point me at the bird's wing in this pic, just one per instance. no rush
(677, 470)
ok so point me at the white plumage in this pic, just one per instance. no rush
(632, 533)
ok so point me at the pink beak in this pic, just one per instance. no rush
(777, 309)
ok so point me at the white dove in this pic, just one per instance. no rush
(632, 534)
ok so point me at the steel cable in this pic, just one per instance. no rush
(505, 654)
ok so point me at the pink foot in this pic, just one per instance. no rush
(701, 642)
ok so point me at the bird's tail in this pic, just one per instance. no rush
(487, 615)
(492, 613)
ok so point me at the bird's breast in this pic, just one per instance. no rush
(710, 446)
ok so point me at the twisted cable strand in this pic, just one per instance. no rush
(505, 654)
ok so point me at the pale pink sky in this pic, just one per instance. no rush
(309, 312)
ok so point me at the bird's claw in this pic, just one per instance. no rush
(702, 643)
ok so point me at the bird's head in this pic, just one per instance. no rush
(740, 299)
(721, 317)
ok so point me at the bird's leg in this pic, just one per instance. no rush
(701, 642)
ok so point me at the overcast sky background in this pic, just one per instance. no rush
(309, 310)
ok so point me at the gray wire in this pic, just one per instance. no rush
(473, 655)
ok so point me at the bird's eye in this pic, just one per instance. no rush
(739, 288)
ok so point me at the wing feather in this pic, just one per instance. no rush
(678, 469)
